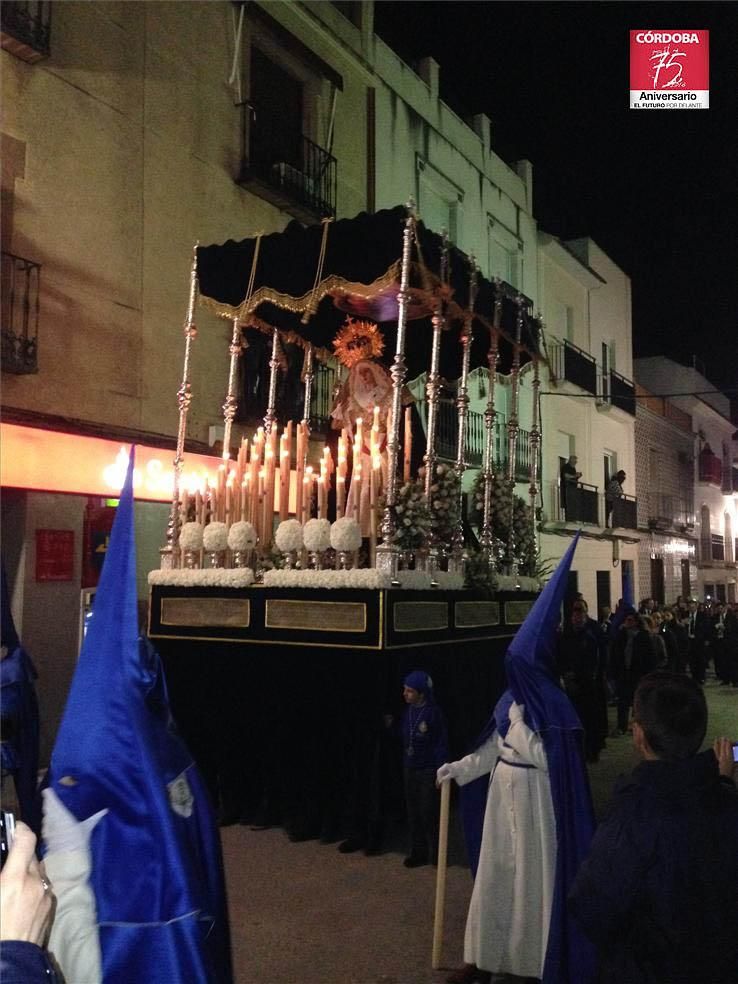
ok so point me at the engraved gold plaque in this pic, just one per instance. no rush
(414, 616)
(475, 614)
(515, 611)
(201, 612)
(317, 616)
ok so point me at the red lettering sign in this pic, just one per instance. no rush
(54, 555)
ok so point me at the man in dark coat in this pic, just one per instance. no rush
(697, 625)
(581, 660)
(632, 656)
(657, 894)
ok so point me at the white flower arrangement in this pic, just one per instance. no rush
(242, 536)
(508, 583)
(444, 515)
(412, 516)
(345, 534)
(215, 537)
(317, 535)
(365, 578)
(215, 577)
(288, 536)
(190, 537)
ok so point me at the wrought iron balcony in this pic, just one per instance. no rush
(19, 320)
(573, 364)
(710, 468)
(670, 512)
(624, 513)
(25, 26)
(292, 173)
(577, 503)
(622, 393)
(447, 439)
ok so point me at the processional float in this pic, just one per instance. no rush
(340, 292)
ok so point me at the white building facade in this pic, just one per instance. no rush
(714, 474)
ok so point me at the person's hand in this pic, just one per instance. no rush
(61, 831)
(723, 749)
(516, 712)
(446, 772)
(26, 900)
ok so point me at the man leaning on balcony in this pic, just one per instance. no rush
(569, 479)
(613, 492)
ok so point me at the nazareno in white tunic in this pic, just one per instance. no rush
(510, 910)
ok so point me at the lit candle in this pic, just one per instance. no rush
(340, 495)
(408, 444)
(373, 505)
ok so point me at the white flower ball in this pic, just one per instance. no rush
(215, 536)
(242, 536)
(317, 534)
(190, 536)
(345, 534)
(288, 536)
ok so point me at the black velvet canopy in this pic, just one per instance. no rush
(360, 276)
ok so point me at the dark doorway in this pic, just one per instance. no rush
(686, 586)
(627, 574)
(603, 593)
(657, 579)
(572, 590)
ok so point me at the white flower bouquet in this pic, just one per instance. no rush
(190, 537)
(242, 536)
(289, 536)
(317, 535)
(345, 535)
(215, 537)
(444, 501)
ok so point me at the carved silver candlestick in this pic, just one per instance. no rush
(231, 403)
(488, 541)
(271, 412)
(170, 554)
(512, 437)
(456, 555)
(387, 551)
(535, 436)
(432, 389)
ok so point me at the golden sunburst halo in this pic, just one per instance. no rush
(357, 340)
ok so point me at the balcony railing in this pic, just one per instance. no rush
(573, 364)
(301, 181)
(622, 393)
(670, 512)
(25, 26)
(447, 438)
(624, 513)
(577, 503)
(20, 280)
(710, 469)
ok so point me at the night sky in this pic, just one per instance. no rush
(657, 190)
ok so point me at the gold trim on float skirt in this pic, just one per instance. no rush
(416, 616)
(226, 613)
(515, 611)
(315, 616)
(476, 614)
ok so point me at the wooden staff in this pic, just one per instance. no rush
(441, 875)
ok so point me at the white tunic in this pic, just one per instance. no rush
(510, 909)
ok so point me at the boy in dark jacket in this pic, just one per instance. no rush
(658, 894)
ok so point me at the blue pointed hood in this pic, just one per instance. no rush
(626, 605)
(156, 863)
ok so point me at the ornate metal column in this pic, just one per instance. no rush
(387, 551)
(170, 553)
(231, 403)
(489, 543)
(432, 389)
(309, 376)
(512, 436)
(535, 435)
(271, 413)
(456, 562)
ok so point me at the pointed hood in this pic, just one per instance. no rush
(156, 863)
